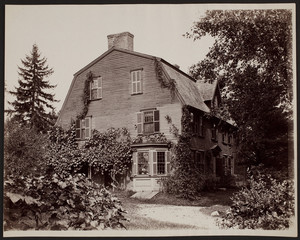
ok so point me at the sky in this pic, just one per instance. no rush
(71, 36)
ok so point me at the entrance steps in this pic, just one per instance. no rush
(144, 194)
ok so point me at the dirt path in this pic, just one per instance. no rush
(188, 215)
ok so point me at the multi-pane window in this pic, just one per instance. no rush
(96, 88)
(148, 122)
(161, 163)
(143, 163)
(136, 81)
(151, 162)
(83, 128)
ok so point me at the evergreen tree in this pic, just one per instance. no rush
(32, 103)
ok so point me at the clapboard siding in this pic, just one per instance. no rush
(118, 107)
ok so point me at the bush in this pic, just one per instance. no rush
(56, 203)
(266, 203)
(24, 150)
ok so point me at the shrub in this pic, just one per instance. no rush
(56, 203)
(265, 203)
(24, 150)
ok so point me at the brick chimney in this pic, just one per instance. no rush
(121, 40)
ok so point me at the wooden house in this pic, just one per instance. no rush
(144, 93)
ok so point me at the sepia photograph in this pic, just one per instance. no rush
(150, 120)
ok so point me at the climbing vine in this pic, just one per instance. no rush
(187, 180)
(165, 83)
(86, 95)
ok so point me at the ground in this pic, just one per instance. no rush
(168, 212)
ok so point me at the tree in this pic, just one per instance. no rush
(252, 60)
(30, 107)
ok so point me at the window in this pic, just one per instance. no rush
(136, 81)
(96, 88)
(229, 138)
(143, 163)
(198, 124)
(214, 133)
(83, 128)
(148, 122)
(224, 137)
(200, 160)
(161, 163)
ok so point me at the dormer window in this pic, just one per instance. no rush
(136, 82)
(96, 88)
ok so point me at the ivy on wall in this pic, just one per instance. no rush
(164, 82)
(187, 180)
(86, 95)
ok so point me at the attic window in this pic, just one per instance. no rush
(96, 88)
(136, 82)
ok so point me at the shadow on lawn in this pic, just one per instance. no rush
(206, 199)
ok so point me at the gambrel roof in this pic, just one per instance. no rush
(187, 90)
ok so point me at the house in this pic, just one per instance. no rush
(144, 94)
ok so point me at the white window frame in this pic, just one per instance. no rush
(136, 80)
(96, 83)
(84, 131)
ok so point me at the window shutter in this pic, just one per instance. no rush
(139, 122)
(141, 81)
(78, 128)
(156, 121)
(154, 163)
(99, 87)
(134, 163)
(91, 86)
(168, 162)
(87, 128)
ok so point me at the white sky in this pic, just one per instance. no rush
(71, 36)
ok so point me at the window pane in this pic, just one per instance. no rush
(87, 122)
(161, 166)
(149, 128)
(94, 94)
(143, 163)
(138, 87)
(82, 133)
(134, 87)
(148, 117)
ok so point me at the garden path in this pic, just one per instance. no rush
(189, 215)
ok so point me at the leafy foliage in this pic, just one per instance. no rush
(32, 100)
(86, 95)
(186, 180)
(108, 153)
(252, 60)
(266, 203)
(165, 83)
(59, 203)
(24, 150)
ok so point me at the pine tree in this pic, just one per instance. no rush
(32, 103)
